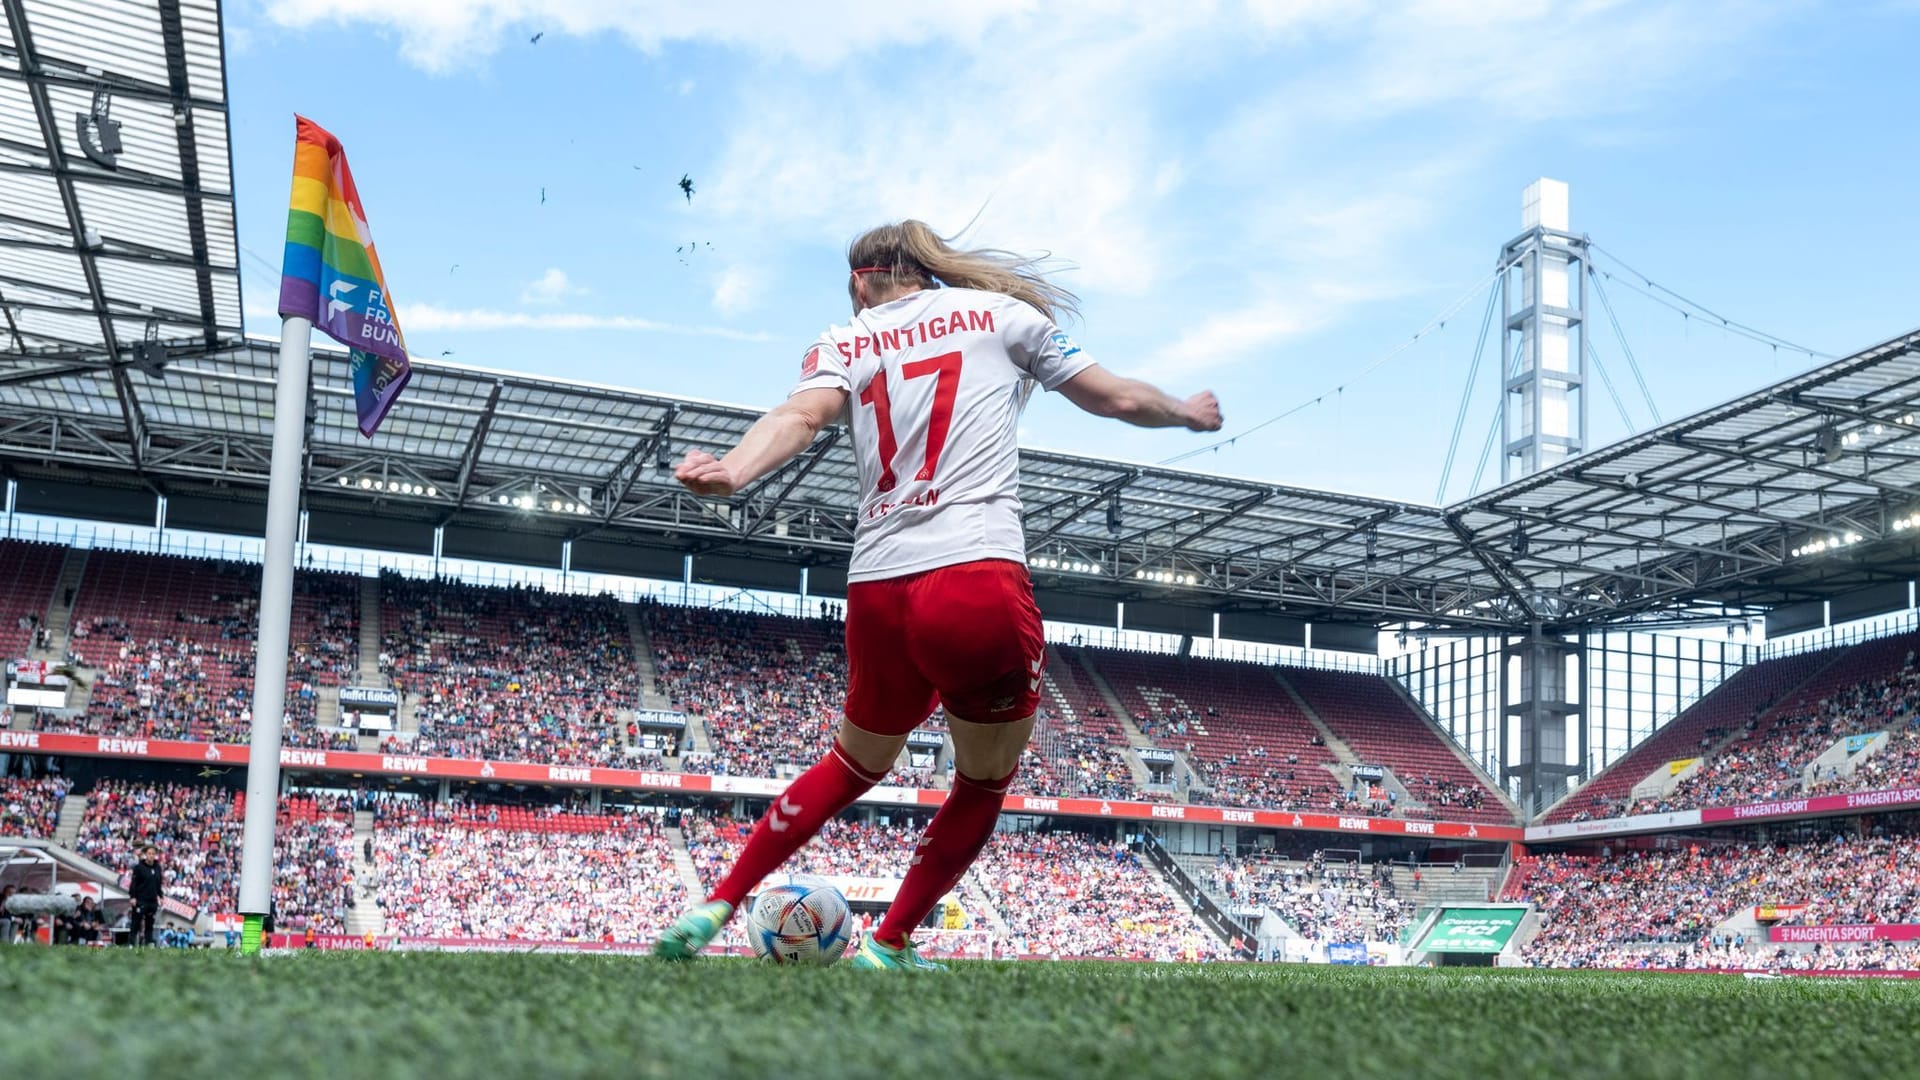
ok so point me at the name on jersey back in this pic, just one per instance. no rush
(908, 336)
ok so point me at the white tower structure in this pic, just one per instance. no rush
(1543, 293)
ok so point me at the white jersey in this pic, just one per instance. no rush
(938, 379)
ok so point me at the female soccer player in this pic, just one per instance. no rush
(932, 373)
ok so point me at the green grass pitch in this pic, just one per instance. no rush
(344, 1016)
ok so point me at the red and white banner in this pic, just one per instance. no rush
(1810, 935)
(361, 764)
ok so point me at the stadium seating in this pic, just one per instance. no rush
(28, 573)
(1608, 912)
(1379, 726)
(1322, 899)
(512, 674)
(197, 830)
(472, 871)
(1079, 747)
(1763, 727)
(1241, 731)
(31, 808)
(1868, 688)
(1063, 894)
(173, 641)
(768, 689)
(1058, 893)
(1728, 707)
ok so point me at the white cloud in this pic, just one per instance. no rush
(1260, 149)
(736, 289)
(428, 317)
(549, 288)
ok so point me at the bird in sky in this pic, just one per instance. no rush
(535, 40)
(686, 186)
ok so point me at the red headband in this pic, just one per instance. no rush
(872, 270)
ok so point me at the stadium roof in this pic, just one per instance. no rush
(117, 242)
(123, 376)
(1702, 513)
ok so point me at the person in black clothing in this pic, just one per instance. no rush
(145, 890)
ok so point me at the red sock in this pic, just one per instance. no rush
(813, 798)
(952, 841)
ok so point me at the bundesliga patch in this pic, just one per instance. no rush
(1067, 346)
(811, 365)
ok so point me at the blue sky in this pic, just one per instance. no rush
(1262, 199)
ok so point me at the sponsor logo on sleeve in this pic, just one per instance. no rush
(1067, 346)
(811, 365)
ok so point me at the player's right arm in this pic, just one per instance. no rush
(1139, 403)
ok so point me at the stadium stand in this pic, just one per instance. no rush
(1761, 731)
(513, 674)
(503, 872)
(1726, 709)
(767, 689)
(1869, 688)
(1057, 893)
(1322, 899)
(1079, 747)
(1379, 725)
(1662, 908)
(1251, 744)
(28, 573)
(197, 830)
(31, 808)
(172, 641)
(1063, 894)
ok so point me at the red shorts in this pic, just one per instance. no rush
(966, 636)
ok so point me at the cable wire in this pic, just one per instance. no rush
(1438, 322)
(1466, 398)
(1727, 324)
(1620, 335)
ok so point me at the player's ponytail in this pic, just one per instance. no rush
(910, 255)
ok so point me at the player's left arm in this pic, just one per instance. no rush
(771, 442)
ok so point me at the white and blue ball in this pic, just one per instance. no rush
(799, 923)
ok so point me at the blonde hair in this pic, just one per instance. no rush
(910, 255)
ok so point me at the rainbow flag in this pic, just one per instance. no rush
(331, 274)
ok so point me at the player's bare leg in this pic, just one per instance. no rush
(985, 758)
(858, 760)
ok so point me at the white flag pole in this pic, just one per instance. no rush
(276, 628)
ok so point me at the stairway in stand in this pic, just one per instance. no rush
(365, 916)
(59, 617)
(368, 673)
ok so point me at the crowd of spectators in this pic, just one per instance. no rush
(1444, 799)
(1058, 894)
(196, 828)
(514, 674)
(1592, 909)
(1771, 755)
(313, 863)
(1324, 900)
(197, 831)
(769, 690)
(31, 808)
(171, 645)
(454, 871)
(1063, 894)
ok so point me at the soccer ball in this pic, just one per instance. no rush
(799, 924)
